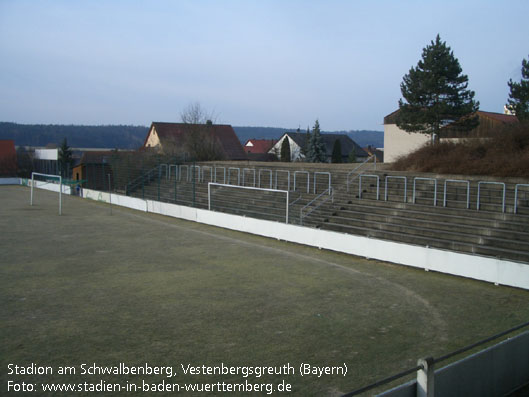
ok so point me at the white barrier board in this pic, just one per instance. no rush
(483, 268)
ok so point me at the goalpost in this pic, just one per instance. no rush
(46, 179)
(248, 188)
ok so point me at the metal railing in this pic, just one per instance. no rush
(457, 181)
(175, 170)
(192, 174)
(269, 176)
(434, 189)
(328, 194)
(215, 171)
(244, 175)
(204, 167)
(329, 179)
(395, 177)
(349, 180)
(423, 363)
(492, 183)
(238, 174)
(143, 179)
(288, 178)
(308, 179)
(368, 176)
(516, 195)
(180, 173)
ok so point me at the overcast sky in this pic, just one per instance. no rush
(253, 63)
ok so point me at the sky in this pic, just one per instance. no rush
(272, 63)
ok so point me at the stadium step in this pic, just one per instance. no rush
(489, 231)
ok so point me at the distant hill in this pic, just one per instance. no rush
(104, 136)
(132, 137)
(361, 137)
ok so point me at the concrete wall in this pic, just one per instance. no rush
(9, 181)
(495, 371)
(473, 266)
(295, 150)
(398, 142)
(47, 186)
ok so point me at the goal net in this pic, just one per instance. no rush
(47, 182)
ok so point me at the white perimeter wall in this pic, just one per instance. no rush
(54, 187)
(10, 181)
(398, 142)
(493, 270)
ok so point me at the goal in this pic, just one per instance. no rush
(269, 204)
(48, 182)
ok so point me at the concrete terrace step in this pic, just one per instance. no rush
(486, 232)
(452, 245)
(481, 227)
(472, 236)
(435, 210)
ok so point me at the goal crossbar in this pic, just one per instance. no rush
(50, 176)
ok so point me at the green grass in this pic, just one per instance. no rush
(133, 287)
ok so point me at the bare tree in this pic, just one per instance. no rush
(201, 143)
(194, 113)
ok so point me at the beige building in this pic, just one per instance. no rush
(398, 142)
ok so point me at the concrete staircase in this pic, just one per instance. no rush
(489, 231)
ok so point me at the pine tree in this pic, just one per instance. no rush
(352, 156)
(65, 158)
(306, 149)
(518, 101)
(336, 152)
(285, 150)
(317, 152)
(435, 92)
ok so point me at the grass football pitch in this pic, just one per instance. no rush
(88, 290)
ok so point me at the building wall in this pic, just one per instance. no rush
(295, 150)
(398, 142)
(153, 140)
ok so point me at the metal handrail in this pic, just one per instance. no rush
(176, 170)
(368, 176)
(160, 170)
(238, 175)
(243, 176)
(417, 178)
(288, 178)
(322, 173)
(330, 196)
(395, 177)
(308, 179)
(296, 200)
(224, 168)
(516, 195)
(180, 173)
(192, 174)
(434, 361)
(492, 183)
(210, 172)
(145, 177)
(357, 167)
(457, 181)
(270, 176)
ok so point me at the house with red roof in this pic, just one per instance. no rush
(176, 138)
(259, 145)
(257, 149)
(8, 158)
(399, 143)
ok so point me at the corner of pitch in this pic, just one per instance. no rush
(309, 369)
